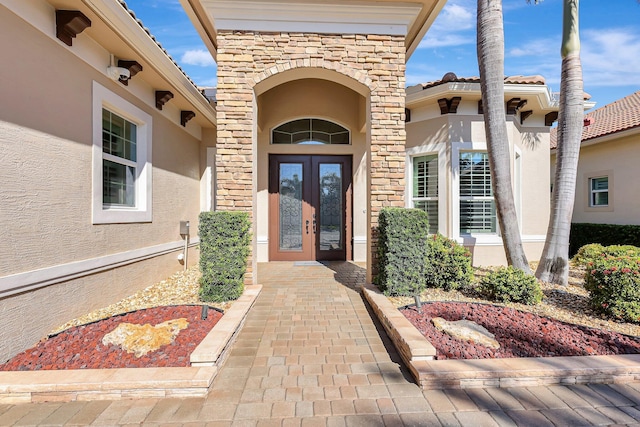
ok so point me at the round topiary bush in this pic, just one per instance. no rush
(509, 284)
(448, 264)
(587, 253)
(594, 251)
(613, 283)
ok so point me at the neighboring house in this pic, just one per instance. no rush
(313, 133)
(608, 173)
(96, 173)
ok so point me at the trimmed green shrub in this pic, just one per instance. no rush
(593, 251)
(448, 264)
(587, 253)
(605, 234)
(224, 248)
(510, 284)
(613, 283)
(402, 249)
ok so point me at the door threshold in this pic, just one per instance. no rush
(308, 263)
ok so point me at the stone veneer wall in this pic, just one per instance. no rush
(247, 58)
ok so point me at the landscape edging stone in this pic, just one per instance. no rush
(430, 373)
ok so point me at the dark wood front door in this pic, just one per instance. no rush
(309, 208)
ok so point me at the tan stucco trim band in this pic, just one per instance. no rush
(30, 280)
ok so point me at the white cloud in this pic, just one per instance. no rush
(611, 57)
(446, 40)
(455, 16)
(452, 27)
(540, 47)
(201, 58)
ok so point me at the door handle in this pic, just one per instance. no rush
(314, 223)
(307, 224)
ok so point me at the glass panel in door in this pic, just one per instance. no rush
(290, 185)
(330, 221)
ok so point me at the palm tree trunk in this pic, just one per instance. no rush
(554, 262)
(491, 64)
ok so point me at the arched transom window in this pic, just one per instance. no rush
(310, 131)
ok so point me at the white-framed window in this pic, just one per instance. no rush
(121, 181)
(425, 187)
(426, 177)
(599, 191)
(477, 208)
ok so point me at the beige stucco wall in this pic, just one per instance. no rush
(318, 99)
(46, 143)
(535, 195)
(46, 192)
(28, 317)
(433, 132)
(616, 158)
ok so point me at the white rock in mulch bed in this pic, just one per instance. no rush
(466, 330)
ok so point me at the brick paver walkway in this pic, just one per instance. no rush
(310, 354)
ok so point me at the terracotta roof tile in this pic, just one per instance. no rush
(451, 77)
(618, 116)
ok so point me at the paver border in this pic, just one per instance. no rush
(419, 356)
(130, 383)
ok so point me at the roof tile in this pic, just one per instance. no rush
(451, 77)
(618, 116)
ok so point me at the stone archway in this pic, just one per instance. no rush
(249, 63)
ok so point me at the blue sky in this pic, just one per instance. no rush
(610, 35)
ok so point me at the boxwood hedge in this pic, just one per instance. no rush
(402, 250)
(224, 248)
(605, 234)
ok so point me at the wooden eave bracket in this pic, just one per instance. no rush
(551, 117)
(133, 67)
(449, 106)
(185, 116)
(70, 23)
(162, 97)
(524, 115)
(514, 104)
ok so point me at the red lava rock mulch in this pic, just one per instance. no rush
(81, 347)
(520, 334)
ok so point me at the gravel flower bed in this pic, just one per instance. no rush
(520, 334)
(568, 304)
(83, 347)
(181, 288)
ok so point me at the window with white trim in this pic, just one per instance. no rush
(477, 204)
(599, 191)
(121, 160)
(425, 188)
(119, 165)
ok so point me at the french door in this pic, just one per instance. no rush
(309, 208)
